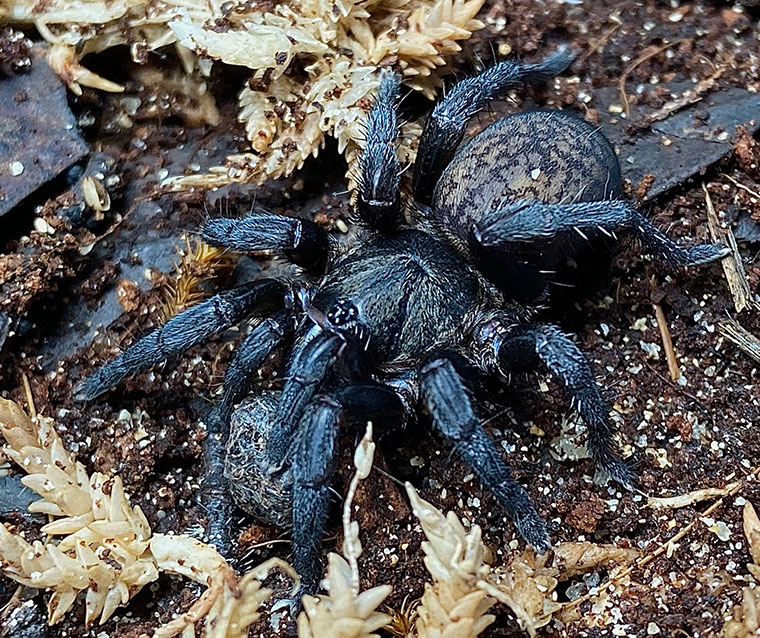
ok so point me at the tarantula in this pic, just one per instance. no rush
(426, 291)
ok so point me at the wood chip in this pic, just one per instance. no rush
(684, 500)
(741, 338)
(732, 263)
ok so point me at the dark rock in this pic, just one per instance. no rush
(747, 229)
(697, 136)
(38, 135)
(16, 497)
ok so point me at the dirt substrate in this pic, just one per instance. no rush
(698, 432)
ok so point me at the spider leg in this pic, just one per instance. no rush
(249, 357)
(447, 401)
(523, 347)
(183, 331)
(254, 349)
(310, 365)
(379, 201)
(445, 127)
(314, 463)
(529, 225)
(303, 241)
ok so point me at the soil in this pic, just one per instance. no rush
(77, 308)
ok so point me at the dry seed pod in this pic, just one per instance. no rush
(95, 194)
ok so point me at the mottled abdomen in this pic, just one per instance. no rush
(550, 156)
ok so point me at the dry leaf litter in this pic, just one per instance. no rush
(315, 64)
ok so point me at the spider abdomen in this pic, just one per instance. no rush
(547, 156)
(550, 156)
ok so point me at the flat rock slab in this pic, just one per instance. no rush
(39, 137)
(684, 144)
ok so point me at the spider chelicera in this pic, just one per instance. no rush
(450, 281)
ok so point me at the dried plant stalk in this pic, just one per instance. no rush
(198, 262)
(454, 606)
(745, 617)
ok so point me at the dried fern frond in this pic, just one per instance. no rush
(77, 28)
(528, 583)
(454, 605)
(229, 606)
(286, 116)
(418, 37)
(402, 619)
(198, 263)
(342, 613)
(107, 548)
(288, 123)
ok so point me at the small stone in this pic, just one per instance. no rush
(16, 168)
(40, 225)
(652, 629)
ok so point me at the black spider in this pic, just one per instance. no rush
(422, 294)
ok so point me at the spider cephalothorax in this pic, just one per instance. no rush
(382, 328)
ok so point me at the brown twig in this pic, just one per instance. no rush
(687, 97)
(741, 338)
(605, 37)
(28, 395)
(667, 340)
(742, 186)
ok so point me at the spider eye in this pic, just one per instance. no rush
(342, 313)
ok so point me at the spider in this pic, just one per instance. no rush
(449, 283)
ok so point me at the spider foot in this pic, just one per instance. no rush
(620, 472)
(702, 254)
(533, 529)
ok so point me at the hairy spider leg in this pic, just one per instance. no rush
(314, 462)
(521, 348)
(185, 330)
(303, 241)
(445, 127)
(378, 202)
(249, 357)
(530, 225)
(446, 399)
(311, 363)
